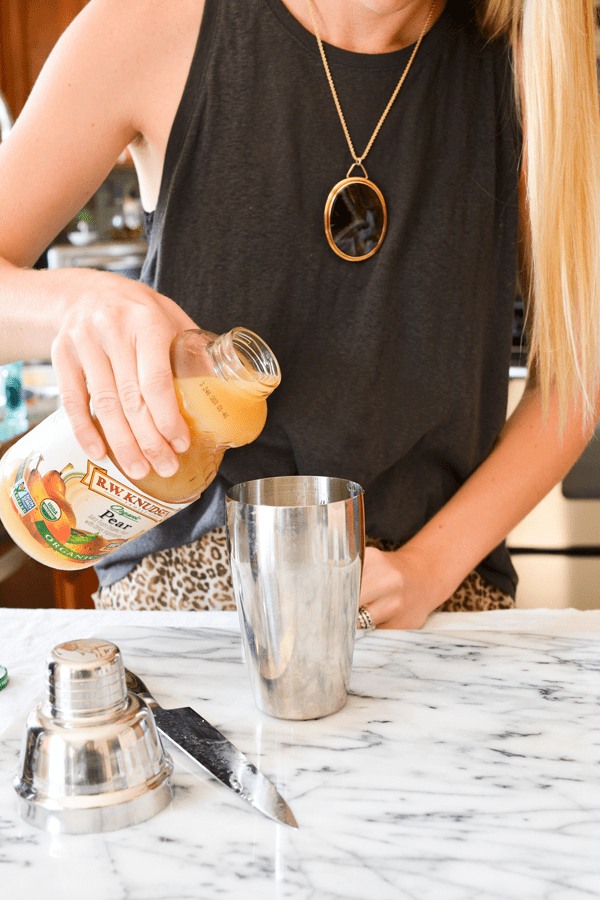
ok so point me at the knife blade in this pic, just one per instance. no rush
(201, 741)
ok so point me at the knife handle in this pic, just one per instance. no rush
(137, 686)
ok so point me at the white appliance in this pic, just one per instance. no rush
(556, 548)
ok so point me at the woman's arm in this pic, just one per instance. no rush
(533, 453)
(402, 588)
(115, 77)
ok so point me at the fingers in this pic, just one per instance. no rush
(105, 386)
(117, 356)
(365, 619)
(75, 400)
(376, 613)
(158, 393)
(393, 591)
(378, 582)
(140, 415)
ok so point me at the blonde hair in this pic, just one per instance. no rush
(554, 53)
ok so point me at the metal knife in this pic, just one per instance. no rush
(189, 731)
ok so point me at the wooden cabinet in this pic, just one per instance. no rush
(73, 590)
(28, 31)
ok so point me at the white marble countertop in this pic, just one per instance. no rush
(464, 766)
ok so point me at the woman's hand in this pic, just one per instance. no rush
(397, 589)
(113, 345)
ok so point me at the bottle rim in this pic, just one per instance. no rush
(242, 353)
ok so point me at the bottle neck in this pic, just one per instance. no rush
(242, 357)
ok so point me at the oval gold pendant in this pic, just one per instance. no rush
(355, 219)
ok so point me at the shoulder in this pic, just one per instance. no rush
(147, 19)
(119, 59)
(134, 34)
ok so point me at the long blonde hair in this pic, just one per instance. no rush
(554, 54)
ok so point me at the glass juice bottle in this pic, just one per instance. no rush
(68, 511)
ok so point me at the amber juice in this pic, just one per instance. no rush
(219, 414)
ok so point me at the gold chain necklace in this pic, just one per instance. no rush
(355, 212)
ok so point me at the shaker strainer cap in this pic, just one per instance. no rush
(91, 758)
(84, 678)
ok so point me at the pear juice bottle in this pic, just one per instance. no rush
(69, 511)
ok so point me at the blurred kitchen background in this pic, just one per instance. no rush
(556, 550)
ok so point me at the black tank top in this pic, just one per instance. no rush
(394, 369)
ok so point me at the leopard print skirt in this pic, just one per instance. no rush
(198, 576)
(195, 576)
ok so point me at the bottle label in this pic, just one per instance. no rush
(98, 480)
(76, 508)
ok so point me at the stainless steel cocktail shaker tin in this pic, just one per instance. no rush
(296, 546)
(91, 758)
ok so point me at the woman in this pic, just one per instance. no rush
(395, 367)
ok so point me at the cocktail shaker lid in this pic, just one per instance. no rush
(85, 678)
(91, 757)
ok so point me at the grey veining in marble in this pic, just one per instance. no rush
(463, 767)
